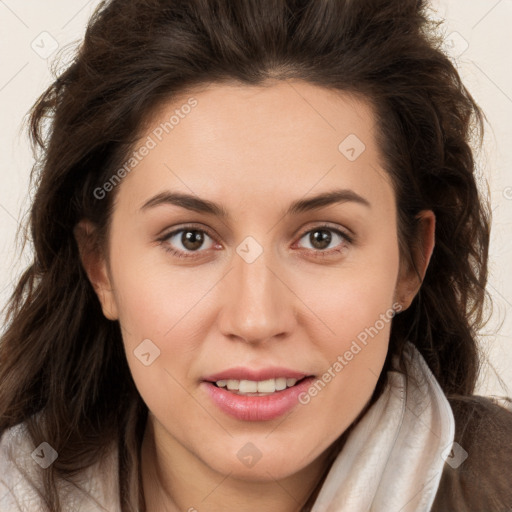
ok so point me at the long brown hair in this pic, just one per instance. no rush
(63, 368)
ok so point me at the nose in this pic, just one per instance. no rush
(258, 305)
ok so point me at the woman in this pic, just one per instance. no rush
(185, 339)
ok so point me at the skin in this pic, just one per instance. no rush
(254, 150)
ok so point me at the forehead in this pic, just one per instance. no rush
(284, 138)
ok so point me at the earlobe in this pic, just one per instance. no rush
(412, 273)
(95, 267)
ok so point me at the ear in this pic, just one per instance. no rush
(413, 272)
(95, 266)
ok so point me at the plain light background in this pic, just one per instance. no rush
(477, 37)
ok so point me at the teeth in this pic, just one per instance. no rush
(280, 384)
(262, 386)
(233, 385)
(248, 386)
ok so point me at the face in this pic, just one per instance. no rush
(279, 280)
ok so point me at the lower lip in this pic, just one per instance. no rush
(257, 408)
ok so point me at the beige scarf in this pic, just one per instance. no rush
(394, 457)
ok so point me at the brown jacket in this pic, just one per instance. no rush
(483, 482)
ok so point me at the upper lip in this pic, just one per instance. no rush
(242, 373)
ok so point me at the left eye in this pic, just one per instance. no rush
(320, 238)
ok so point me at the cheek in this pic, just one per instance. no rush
(159, 342)
(151, 295)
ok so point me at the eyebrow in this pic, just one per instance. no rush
(195, 203)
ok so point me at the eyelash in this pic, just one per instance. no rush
(317, 253)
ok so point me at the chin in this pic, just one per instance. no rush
(264, 466)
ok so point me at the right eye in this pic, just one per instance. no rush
(188, 241)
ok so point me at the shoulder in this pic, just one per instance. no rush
(478, 476)
(20, 486)
(22, 466)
